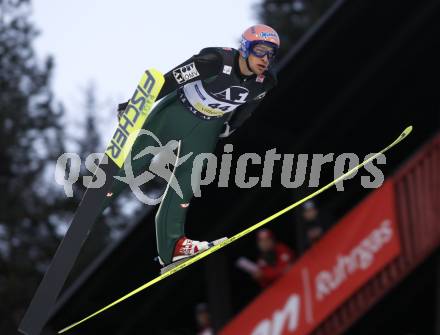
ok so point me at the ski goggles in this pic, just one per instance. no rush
(262, 49)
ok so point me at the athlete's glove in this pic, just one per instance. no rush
(227, 130)
(121, 109)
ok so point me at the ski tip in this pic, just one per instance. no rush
(405, 133)
(407, 130)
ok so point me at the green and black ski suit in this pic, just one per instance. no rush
(202, 98)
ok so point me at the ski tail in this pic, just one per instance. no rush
(90, 207)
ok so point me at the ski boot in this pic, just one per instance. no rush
(186, 248)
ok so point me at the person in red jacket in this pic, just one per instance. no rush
(274, 260)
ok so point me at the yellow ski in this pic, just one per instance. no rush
(215, 248)
(90, 207)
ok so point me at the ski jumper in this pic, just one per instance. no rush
(202, 96)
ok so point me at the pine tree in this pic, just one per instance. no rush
(291, 18)
(30, 137)
(34, 211)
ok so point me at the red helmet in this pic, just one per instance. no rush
(259, 33)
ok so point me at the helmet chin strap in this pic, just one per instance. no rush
(248, 66)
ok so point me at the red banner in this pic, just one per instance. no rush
(353, 251)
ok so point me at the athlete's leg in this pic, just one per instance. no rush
(171, 216)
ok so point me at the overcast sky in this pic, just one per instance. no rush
(112, 42)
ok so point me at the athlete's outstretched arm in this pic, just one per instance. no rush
(207, 63)
(244, 112)
(238, 117)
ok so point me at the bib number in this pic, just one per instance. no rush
(224, 108)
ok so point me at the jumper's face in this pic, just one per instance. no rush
(260, 57)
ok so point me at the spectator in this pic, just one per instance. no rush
(310, 227)
(203, 319)
(274, 260)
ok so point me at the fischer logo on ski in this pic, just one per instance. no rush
(132, 119)
(90, 208)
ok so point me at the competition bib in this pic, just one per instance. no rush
(208, 105)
